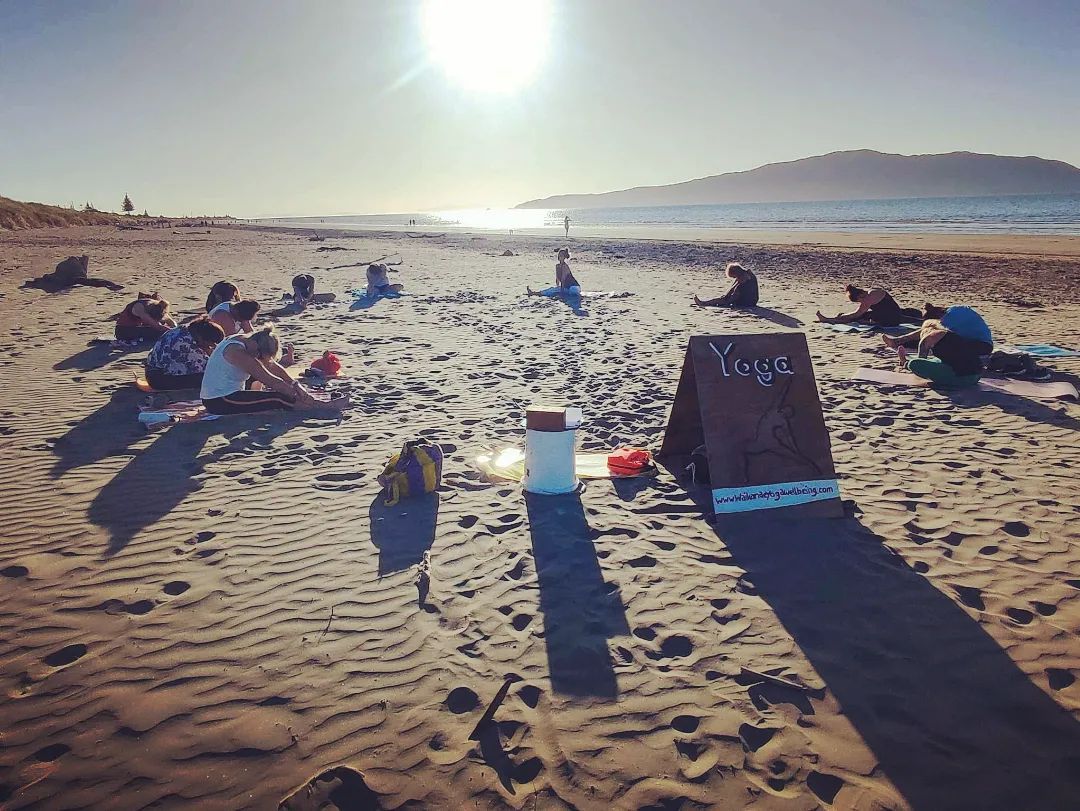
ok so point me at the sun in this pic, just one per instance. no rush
(487, 46)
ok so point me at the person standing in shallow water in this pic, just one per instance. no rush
(742, 293)
(566, 224)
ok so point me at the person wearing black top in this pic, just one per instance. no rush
(742, 293)
(876, 306)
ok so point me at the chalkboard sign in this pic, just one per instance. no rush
(750, 403)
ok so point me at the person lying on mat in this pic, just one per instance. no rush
(742, 293)
(378, 282)
(146, 318)
(179, 357)
(303, 287)
(958, 338)
(220, 293)
(565, 283)
(235, 316)
(243, 376)
(876, 306)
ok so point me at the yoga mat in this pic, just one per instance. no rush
(183, 411)
(863, 329)
(509, 463)
(1020, 388)
(1047, 351)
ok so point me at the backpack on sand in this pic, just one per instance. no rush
(413, 472)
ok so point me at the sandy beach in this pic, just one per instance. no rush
(215, 614)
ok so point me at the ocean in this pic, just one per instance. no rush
(1021, 214)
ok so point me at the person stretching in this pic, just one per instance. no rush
(220, 293)
(235, 316)
(875, 306)
(303, 287)
(146, 318)
(178, 359)
(957, 337)
(742, 293)
(565, 283)
(378, 282)
(251, 360)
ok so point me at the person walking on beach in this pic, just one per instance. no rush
(742, 293)
(566, 224)
(875, 306)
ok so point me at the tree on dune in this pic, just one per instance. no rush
(128, 205)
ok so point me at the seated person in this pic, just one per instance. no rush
(235, 316)
(303, 287)
(220, 293)
(378, 282)
(742, 293)
(179, 357)
(145, 319)
(876, 306)
(565, 283)
(243, 376)
(957, 337)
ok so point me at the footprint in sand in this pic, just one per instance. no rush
(1059, 679)
(754, 738)
(66, 656)
(686, 724)
(521, 621)
(530, 694)
(54, 751)
(824, 786)
(971, 597)
(14, 571)
(1020, 616)
(1018, 529)
(648, 634)
(643, 562)
(462, 700)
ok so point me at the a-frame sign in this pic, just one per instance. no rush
(751, 401)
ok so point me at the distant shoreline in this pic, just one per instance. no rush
(1035, 245)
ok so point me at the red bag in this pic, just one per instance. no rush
(329, 364)
(628, 461)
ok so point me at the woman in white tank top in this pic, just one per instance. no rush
(243, 358)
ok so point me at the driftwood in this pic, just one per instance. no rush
(365, 264)
(424, 236)
(489, 713)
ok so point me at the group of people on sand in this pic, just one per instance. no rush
(237, 367)
(946, 345)
(950, 344)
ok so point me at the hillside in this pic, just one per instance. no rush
(15, 216)
(855, 175)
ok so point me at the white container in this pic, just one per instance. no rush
(549, 462)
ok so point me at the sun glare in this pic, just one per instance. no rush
(487, 46)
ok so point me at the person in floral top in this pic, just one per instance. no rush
(178, 359)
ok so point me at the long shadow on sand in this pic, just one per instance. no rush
(404, 532)
(158, 479)
(954, 722)
(1031, 410)
(107, 431)
(581, 611)
(94, 357)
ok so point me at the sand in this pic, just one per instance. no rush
(215, 614)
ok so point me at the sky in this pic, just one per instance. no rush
(268, 108)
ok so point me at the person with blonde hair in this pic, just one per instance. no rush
(243, 376)
(742, 293)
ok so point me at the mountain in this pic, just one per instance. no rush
(861, 174)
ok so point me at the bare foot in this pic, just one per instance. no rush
(697, 301)
(529, 291)
(822, 318)
(889, 341)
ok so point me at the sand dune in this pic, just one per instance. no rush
(224, 615)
